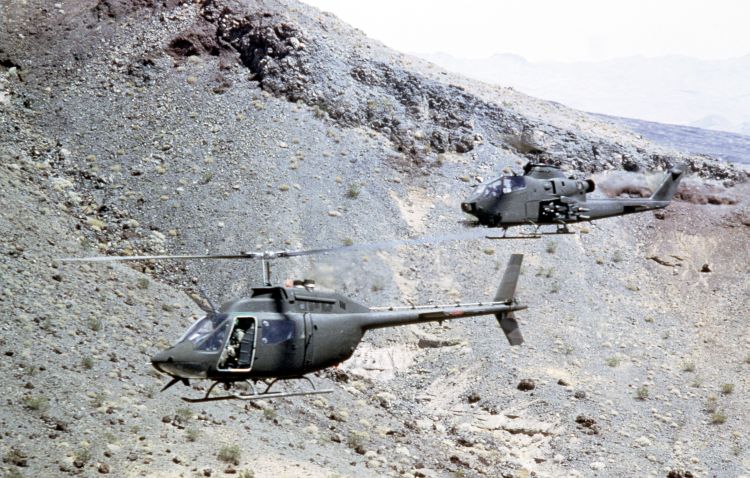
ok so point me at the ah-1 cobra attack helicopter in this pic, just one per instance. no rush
(282, 333)
(543, 195)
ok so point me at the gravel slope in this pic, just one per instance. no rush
(116, 141)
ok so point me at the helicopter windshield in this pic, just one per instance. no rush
(489, 189)
(208, 333)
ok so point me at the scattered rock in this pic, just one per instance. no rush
(641, 442)
(526, 384)
(589, 423)
(680, 474)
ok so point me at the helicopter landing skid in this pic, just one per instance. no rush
(562, 228)
(532, 235)
(522, 235)
(255, 395)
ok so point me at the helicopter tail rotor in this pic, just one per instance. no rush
(506, 293)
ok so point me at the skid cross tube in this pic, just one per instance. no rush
(265, 395)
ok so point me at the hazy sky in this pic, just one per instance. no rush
(556, 30)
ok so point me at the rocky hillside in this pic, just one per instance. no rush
(165, 126)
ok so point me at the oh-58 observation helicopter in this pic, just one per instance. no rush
(543, 195)
(285, 332)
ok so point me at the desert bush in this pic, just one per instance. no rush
(718, 417)
(95, 324)
(192, 434)
(353, 191)
(14, 456)
(269, 413)
(183, 414)
(98, 399)
(712, 403)
(83, 454)
(230, 454)
(87, 362)
(35, 402)
(727, 388)
(642, 392)
(356, 439)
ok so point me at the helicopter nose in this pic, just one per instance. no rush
(161, 358)
(469, 207)
(181, 361)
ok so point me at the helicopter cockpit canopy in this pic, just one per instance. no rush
(208, 333)
(513, 183)
(497, 187)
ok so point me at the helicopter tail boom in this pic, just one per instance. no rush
(502, 308)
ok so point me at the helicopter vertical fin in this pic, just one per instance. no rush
(506, 293)
(668, 187)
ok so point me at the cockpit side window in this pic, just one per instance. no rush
(277, 331)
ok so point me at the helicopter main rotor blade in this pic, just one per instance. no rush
(251, 255)
(266, 255)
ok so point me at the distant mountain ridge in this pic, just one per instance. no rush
(730, 147)
(710, 94)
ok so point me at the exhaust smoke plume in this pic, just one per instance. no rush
(618, 183)
(691, 189)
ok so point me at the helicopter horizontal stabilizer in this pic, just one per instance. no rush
(506, 293)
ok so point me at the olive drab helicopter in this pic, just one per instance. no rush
(544, 196)
(280, 333)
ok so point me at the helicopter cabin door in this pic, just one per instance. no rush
(309, 328)
(240, 349)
